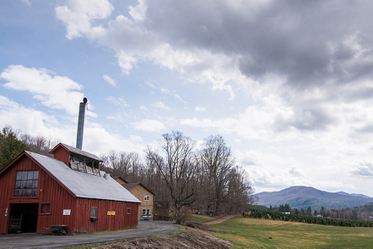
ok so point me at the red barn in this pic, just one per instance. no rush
(38, 192)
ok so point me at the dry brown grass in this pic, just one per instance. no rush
(189, 238)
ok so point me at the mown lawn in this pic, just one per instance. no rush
(255, 233)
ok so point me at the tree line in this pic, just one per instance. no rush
(306, 219)
(14, 142)
(204, 179)
(364, 212)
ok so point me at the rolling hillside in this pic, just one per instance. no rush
(303, 197)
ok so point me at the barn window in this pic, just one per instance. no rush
(128, 210)
(26, 183)
(146, 198)
(45, 208)
(93, 213)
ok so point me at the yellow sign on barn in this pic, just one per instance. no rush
(110, 212)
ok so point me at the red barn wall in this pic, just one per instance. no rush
(105, 222)
(62, 154)
(60, 199)
(7, 185)
(50, 191)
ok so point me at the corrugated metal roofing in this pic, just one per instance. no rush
(82, 184)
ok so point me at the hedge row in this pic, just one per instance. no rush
(307, 219)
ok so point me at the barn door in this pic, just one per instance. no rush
(23, 218)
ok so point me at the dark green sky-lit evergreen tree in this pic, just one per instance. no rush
(10, 146)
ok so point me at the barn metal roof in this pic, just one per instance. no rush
(82, 184)
(77, 151)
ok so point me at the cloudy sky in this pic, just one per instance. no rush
(288, 84)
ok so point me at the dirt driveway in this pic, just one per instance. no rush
(147, 228)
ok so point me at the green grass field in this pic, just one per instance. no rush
(202, 218)
(255, 233)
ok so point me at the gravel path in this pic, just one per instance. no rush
(33, 240)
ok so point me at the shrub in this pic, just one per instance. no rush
(184, 215)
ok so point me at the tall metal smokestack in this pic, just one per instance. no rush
(79, 136)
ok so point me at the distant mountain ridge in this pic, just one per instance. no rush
(303, 197)
(358, 195)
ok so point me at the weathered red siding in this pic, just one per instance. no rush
(49, 191)
(7, 184)
(60, 198)
(62, 154)
(105, 222)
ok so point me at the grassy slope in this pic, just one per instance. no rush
(248, 232)
(202, 218)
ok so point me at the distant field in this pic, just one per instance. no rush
(255, 233)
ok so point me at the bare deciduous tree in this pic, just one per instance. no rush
(39, 144)
(178, 168)
(239, 193)
(125, 165)
(217, 161)
(111, 160)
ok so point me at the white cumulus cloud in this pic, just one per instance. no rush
(57, 92)
(97, 140)
(110, 80)
(149, 125)
(160, 105)
(134, 42)
(78, 14)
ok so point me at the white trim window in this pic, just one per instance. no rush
(146, 212)
(146, 197)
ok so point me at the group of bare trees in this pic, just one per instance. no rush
(204, 179)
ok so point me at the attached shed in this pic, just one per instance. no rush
(161, 210)
(70, 190)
